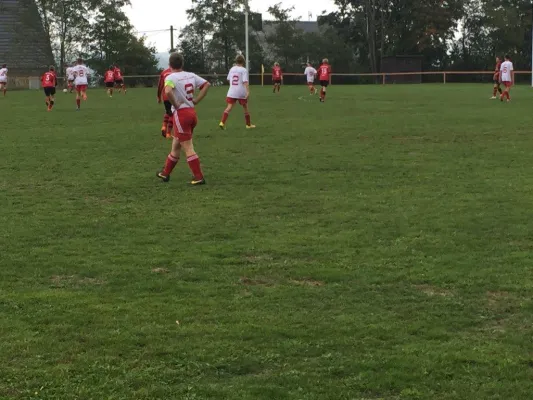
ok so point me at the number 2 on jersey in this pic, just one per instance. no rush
(235, 80)
(189, 90)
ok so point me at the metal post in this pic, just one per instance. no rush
(171, 38)
(246, 38)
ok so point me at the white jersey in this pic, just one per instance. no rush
(183, 86)
(310, 72)
(80, 72)
(506, 70)
(3, 75)
(237, 77)
(70, 73)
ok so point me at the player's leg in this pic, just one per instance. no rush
(46, 98)
(123, 87)
(247, 117)
(3, 88)
(226, 112)
(52, 98)
(78, 97)
(194, 162)
(171, 161)
(279, 86)
(494, 90)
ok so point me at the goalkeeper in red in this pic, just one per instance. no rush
(179, 88)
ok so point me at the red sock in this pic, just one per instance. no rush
(324, 95)
(78, 102)
(247, 118)
(194, 165)
(225, 116)
(170, 164)
(494, 92)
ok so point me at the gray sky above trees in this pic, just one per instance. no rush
(160, 14)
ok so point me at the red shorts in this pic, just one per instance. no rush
(231, 100)
(508, 84)
(185, 121)
(3, 83)
(81, 88)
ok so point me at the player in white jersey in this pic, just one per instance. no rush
(81, 72)
(310, 74)
(507, 77)
(239, 91)
(3, 79)
(70, 78)
(179, 89)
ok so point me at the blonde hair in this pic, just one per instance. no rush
(325, 60)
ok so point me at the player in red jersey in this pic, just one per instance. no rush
(49, 84)
(496, 79)
(3, 79)
(166, 128)
(277, 77)
(119, 79)
(324, 74)
(179, 88)
(109, 80)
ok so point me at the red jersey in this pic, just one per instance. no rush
(161, 84)
(49, 79)
(109, 76)
(118, 73)
(497, 70)
(276, 73)
(324, 71)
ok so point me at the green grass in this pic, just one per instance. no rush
(377, 246)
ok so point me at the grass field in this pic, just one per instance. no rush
(377, 246)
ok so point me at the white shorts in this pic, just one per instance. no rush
(70, 78)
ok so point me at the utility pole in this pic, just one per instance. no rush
(171, 37)
(247, 45)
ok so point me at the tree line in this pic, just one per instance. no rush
(98, 31)
(446, 34)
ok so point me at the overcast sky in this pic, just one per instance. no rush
(150, 15)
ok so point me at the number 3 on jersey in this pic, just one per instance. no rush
(189, 90)
(235, 80)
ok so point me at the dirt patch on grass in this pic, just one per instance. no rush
(74, 281)
(307, 282)
(256, 281)
(160, 270)
(257, 258)
(432, 290)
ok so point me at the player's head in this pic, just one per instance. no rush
(498, 59)
(111, 67)
(239, 60)
(276, 64)
(51, 69)
(507, 58)
(309, 64)
(4, 65)
(176, 61)
(325, 61)
(80, 61)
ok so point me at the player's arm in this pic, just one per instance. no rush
(160, 87)
(169, 86)
(202, 93)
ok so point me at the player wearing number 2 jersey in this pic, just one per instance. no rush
(179, 89)
(3, 79)
(80, 72)
(239, 91)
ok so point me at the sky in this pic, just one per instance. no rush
(147, 16)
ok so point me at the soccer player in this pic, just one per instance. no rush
(3, 79)
(166, 128)
(507, 77)
(239, 91)
(109, 80)
(70, 77)
(179, 88)
(49, 83)
(80, 81)
(496, 79)
(119, 79)
(324, 73)
(310, 73)
(277, 77)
